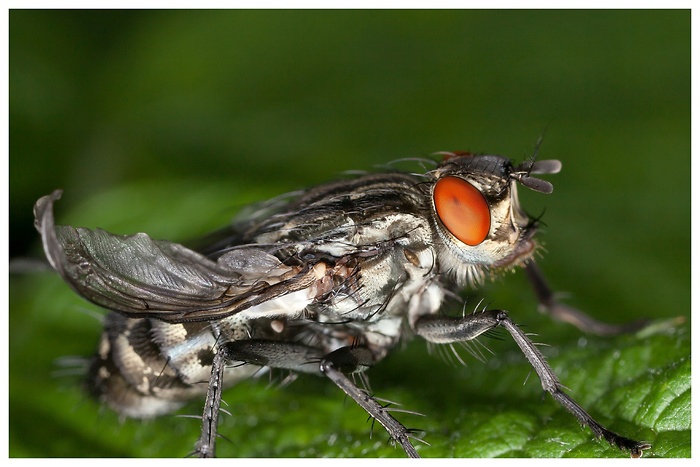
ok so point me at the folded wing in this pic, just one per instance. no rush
(141, 277)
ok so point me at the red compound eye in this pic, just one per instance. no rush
(462, 209)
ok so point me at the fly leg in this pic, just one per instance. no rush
(275, 354)
(352, 359)
(443, 330)
(571, 315)
(206, 444)
(297, 357)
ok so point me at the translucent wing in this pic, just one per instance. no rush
(141, 277)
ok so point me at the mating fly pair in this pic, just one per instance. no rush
(325, 281)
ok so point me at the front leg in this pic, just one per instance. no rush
(443, 330)
(562, 312)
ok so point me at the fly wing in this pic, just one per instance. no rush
(141, 277)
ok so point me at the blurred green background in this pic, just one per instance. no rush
(168, 121)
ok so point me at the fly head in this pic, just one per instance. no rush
(476, 214)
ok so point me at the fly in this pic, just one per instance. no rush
(326, 282)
